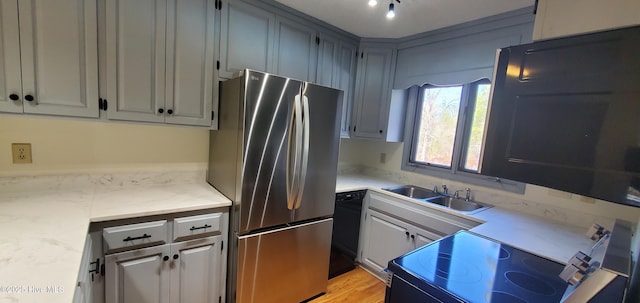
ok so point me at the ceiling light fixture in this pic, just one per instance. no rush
(391, 13)
(373, 2)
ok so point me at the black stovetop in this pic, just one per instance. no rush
(477, 269)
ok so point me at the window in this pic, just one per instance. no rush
(446, 133)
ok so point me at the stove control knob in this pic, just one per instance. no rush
(576, 268)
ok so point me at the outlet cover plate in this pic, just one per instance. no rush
(21, 153)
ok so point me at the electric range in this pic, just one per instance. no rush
(465, 267)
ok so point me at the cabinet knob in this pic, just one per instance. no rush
(170, 111)
(165, 258)
(160, 110)
(381, 131)
(29, 98)
(413, 236)
(176, 256)
(406, 233)
(14, 97)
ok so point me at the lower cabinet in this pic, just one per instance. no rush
(391, 227)
(90, 286)
(172, 258)
(387, 238)
(180, 272)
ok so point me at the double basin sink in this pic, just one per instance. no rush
(429, 196)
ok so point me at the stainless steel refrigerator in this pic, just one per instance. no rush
(275, 156)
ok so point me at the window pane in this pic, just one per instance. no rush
(437, 125)
(476, 135)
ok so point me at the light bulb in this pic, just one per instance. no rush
(373, 2)
(391, 13)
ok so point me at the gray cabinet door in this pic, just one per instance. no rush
(10, 74)
(346, 75)
(373, 93)
(140, 275)
(385, 239)
(422, 237)
(190, 62)
(135, 59)
(328, 61)
(195, 271)
(296, 50)
(59, 57)
(337, 68)
(246, 41)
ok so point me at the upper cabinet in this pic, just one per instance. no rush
(296, 50)
(560, 18)
(49, 57)
(159, 60)
(373, 92)
(247, 36)
(337, 68)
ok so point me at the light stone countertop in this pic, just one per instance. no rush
(538, 235)
(44, 230)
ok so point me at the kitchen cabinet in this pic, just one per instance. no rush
(160, 60)
(247, 37)
(141, 275)
(195, 276)
(173, 260)
(180, 272)
(296, 50)
(337, 69)
(90, 286)
(560, 18)
(392, 227)
(49, 57)
(388, 238)
(376, 67)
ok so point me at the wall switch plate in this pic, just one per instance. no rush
(21, 153)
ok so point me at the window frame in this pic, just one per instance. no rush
(461, 140)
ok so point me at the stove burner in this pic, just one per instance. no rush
(543, 267)
(444, 268)
(504, 254)
(503, 297)
(530, 283)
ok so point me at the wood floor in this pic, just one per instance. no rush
(356, 286)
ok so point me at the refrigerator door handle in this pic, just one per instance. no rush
(304, 149)
(293, 142)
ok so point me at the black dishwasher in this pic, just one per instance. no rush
(346, 232)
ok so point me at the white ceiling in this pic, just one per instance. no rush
(412, 16)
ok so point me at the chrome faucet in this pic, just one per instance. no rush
(456, 194)
(445, 190)
(468, 196)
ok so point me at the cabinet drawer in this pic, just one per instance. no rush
(134, 235)
(201, 225)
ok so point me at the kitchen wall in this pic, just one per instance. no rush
(61, 145)
(357, 155)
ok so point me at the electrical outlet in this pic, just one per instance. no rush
(21, 153)
(383, 158)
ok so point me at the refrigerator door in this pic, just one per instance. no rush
(320, 143)
(269, 102)
(284, 265)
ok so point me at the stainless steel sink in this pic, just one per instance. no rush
(429, 196)
(455, 203)
(413, 191)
